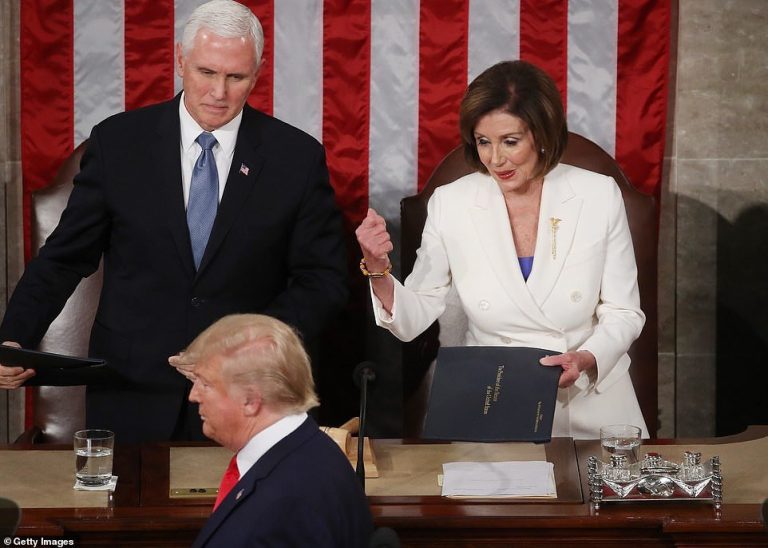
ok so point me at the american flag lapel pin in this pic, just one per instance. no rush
(244, 169)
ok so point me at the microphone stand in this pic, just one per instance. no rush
(360, 468)
(364, 373)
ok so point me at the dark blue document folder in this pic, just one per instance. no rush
(492, 393)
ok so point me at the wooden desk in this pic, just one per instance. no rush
(144, 515)
(125, 520)
(436, 521)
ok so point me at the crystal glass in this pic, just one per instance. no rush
(93, 456)
(620, 439)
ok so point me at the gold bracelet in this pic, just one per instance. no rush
(367, 274)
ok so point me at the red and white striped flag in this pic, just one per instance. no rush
(377, 81)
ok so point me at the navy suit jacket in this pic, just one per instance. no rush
(302, 492)
(276, 248)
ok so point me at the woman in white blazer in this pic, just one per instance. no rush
(539, 252)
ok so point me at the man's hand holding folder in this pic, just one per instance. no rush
(30, 367)
(11, 376)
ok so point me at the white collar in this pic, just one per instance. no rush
(262, 442)
(226, 135)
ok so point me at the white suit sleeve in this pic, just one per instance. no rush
(421, 300)
(619, 317)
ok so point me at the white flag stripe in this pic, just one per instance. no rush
(298, 64)
(592, 62)
(494, 34)
(182, 9)
(394, 104)
(98, 64)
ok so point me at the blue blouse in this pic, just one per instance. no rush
(526, 264)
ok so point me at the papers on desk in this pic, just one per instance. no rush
(499, 479)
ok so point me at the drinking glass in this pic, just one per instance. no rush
(93, 456)
(620, 439)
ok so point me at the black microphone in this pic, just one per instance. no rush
(364, 373)
(384, 537)
(10, 515)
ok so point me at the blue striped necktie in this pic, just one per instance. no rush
(203, 197)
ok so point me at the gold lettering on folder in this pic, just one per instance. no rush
(487, 405)
(497, 388)
(492, 393)
(539, 417)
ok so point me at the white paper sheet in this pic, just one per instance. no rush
(499, 479)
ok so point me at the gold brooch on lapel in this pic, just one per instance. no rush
(554, 224)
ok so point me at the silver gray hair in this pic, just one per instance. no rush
(225, 18)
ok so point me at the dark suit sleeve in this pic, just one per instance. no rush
(316, 257)
(72, 252)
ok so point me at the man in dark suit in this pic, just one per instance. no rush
(199, 207)
(288, 483)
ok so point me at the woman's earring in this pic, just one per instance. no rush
(542, 150)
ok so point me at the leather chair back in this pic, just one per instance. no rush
(59, 411)
(450, 328)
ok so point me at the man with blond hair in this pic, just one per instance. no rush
(288, 483)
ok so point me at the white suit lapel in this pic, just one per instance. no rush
(494, 235)
(558, 219)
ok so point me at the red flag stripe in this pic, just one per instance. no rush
(346, 91)
(544, 39)
(261, 96)
(47, 104)
(149, 53)
(443, 43)
(641, 90)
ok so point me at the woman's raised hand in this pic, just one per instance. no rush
(374, 241)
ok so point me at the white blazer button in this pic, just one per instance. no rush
(506, 340)
(484, 305)
(576, 296)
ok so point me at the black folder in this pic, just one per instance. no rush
(492, 393)
(55, 369)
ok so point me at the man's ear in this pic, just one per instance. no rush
(252, 402)
(179, 60)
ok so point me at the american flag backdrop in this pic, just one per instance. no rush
(377, 81)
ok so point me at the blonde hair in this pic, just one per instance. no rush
(257, 351)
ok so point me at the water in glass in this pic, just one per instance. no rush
(618, 445)
(93, 465)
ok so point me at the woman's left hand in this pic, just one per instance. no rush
(573, 363)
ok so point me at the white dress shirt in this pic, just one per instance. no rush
(262, 442)
(223, 151)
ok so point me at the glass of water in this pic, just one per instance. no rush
(620, 439)
(93, 456)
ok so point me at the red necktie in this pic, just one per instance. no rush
(231, 477)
